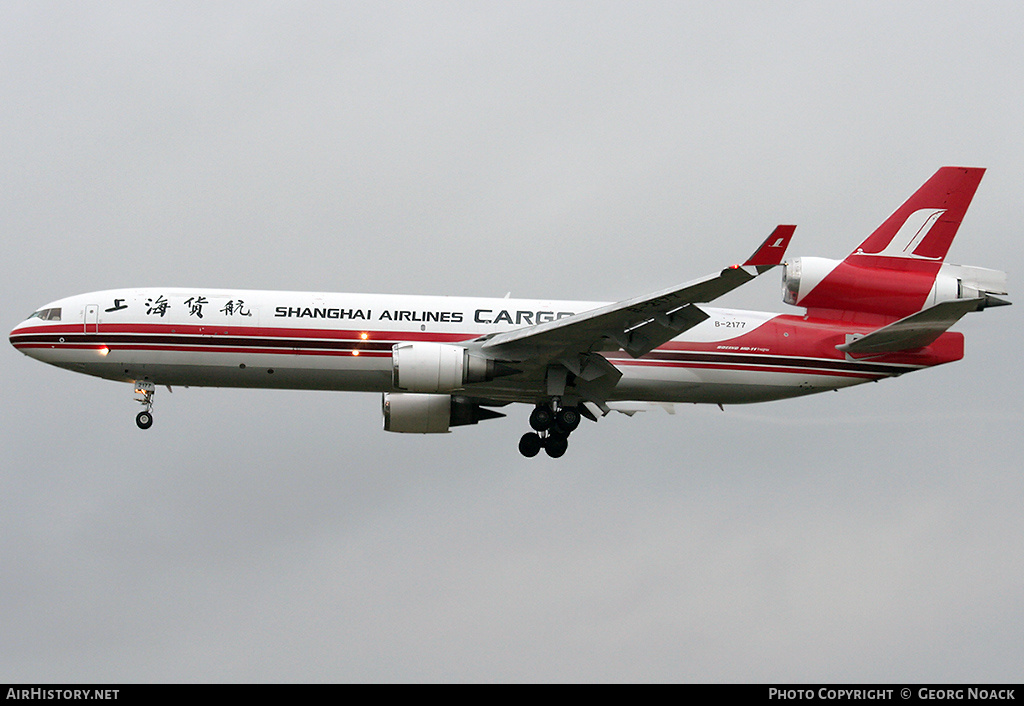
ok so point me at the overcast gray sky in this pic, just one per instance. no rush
(579, 150)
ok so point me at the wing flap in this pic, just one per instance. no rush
(661, 329)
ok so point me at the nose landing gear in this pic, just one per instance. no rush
(144, 419)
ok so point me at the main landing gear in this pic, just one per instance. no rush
(144, 419)
(552, 425)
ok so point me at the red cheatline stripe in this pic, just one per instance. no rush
(262, 340)
(349, 352)
(215, 349)
(247, 331)
(764, 369)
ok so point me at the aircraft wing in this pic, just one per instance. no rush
(636, 325)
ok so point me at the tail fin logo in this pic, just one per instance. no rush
(910, 235)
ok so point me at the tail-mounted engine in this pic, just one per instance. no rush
(819, 283)
(801, 275)
(966, 282)
(440, 367)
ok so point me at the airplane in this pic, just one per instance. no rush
(441, 361)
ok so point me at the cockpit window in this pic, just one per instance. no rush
(47, 314)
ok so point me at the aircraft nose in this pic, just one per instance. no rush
(21, 335)
(16, 334)
(13, 336)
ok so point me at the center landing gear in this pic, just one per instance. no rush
(144, 419)
(552, 426)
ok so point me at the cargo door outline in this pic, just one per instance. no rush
(92, 318)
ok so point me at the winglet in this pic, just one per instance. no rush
(773, 249)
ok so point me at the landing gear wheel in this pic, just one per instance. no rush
(530, 444)
(144, 420)
(555, 445)
(541, 418)
(567, 419)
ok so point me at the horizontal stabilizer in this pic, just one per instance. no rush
(994, 301)
(914, 331)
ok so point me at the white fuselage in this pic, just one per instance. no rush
(336, 341)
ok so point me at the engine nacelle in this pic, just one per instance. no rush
(966, 282)
(437, 367)
(416, 413)
(816, 282)
(801, 275)
(868, 287)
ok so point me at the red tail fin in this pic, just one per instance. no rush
(893, 271)
(924, 226)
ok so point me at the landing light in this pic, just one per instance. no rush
(355, 352)
(364, 335)
(103, 351)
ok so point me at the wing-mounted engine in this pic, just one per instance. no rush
(413, 413)
(440, 367)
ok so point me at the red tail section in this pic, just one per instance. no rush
(893, 271)
(923, 228)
